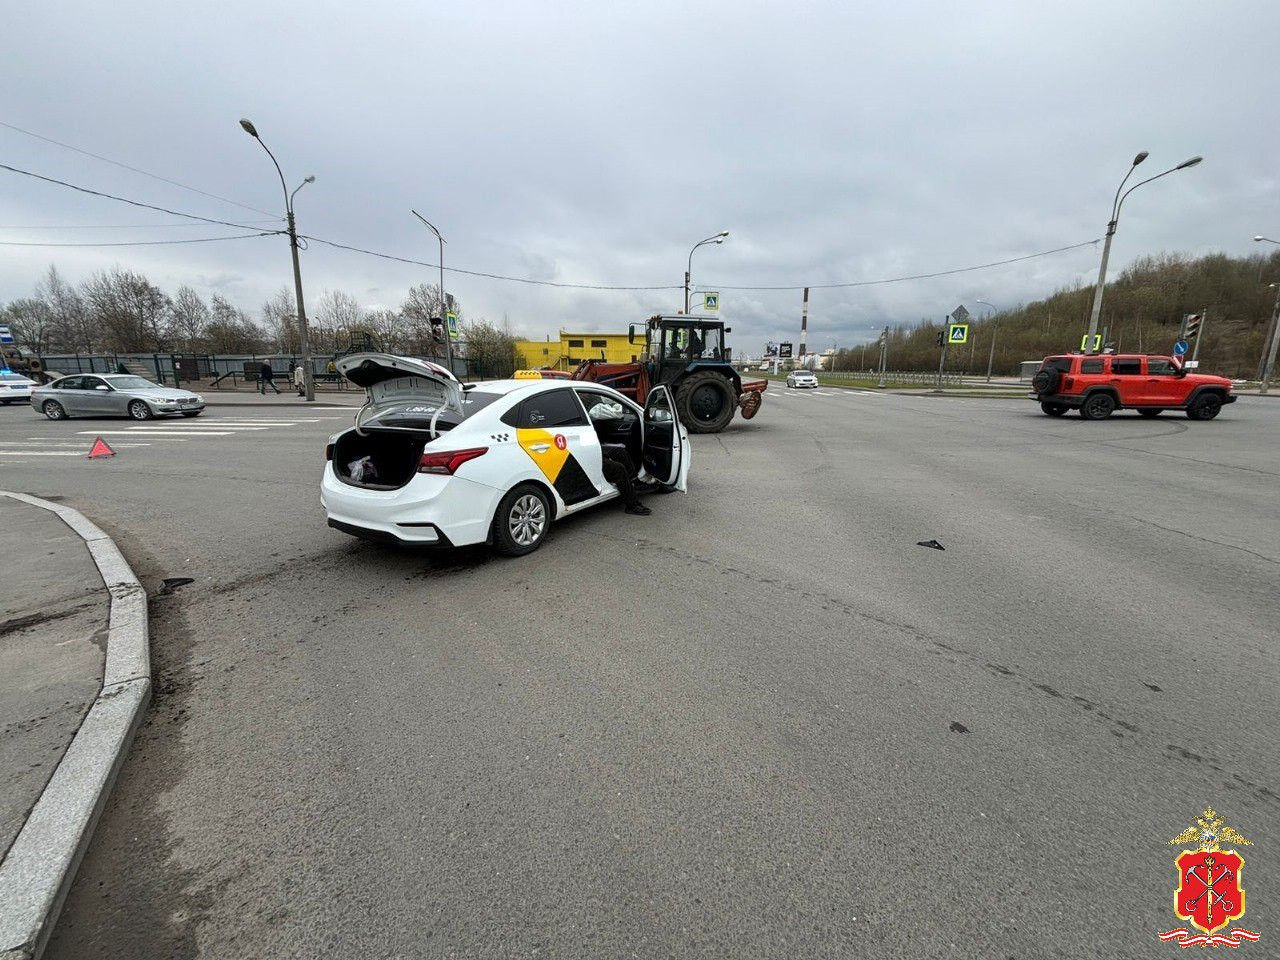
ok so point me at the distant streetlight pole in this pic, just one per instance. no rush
(1271, 346)
(1116, 204)
(718, 238)
(308, 378)
(444, 301)
(995, 312)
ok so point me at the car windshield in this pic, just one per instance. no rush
(132, 383)
(417, 415)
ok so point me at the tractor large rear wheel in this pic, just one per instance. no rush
(705, 402)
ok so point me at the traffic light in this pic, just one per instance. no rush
(1193, 327)
(942, 339)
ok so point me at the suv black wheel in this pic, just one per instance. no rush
(1046, 381)
(521, 521)
(1147, 412)
(1205, 407)
(705, 402)
(1098, 406)
(1054, 409)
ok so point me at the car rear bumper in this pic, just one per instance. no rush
(428, 510)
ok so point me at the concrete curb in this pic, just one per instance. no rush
(38, 869)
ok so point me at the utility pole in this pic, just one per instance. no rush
(804, 323)
(1271, 331)
(308, 378)
(1270, 367)
(444, 300)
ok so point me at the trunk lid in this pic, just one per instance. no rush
(402, 389)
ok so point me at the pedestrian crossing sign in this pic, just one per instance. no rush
(711, 301)
(453, 325)
(958, 333)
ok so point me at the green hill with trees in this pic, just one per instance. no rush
(1141, 311)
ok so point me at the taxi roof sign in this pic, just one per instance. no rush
(527, 375)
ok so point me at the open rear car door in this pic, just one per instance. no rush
(666, 442)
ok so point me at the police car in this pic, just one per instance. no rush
(434, 462)
(14, 386)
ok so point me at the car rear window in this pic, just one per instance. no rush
(418, 416)
(1061, 364)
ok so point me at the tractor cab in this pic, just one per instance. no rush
(673, 344)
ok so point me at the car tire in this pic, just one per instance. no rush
(1098, 406)
(1054, 409)
(1205, 407)
(521, 522)
(1151, 413)
(1046, 381)
(53, 410)
(138, 410)
(192, 413)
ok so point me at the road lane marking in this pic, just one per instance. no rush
(196, 431)
(172, 433)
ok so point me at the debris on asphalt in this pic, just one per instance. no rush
(958, 727)
(171, 584)
(930, 543)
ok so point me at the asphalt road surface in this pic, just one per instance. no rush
(761, 722)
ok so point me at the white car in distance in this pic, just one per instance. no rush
(14, 386)
(433, 462)
(801, 378)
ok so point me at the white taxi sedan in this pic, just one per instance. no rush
(433, 462)
(14, 386)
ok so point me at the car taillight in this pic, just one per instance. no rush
(1066, 383)
(447, 462)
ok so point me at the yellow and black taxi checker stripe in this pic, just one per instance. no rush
(550, 451)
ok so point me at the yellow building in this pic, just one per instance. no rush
(566, 352)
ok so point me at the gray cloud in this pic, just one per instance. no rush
(594, 143)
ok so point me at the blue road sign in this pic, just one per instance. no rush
(1180, 348)
(6, 335)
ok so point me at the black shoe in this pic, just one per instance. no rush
(639, 509)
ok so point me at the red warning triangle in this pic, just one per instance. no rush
(100, 449)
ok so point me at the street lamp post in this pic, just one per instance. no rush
(1272, 345)
(718, 238)
(995, 312)
(1116, 204)
(308, 377)
(444, 301)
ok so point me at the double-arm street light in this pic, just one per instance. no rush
(718, 238)
(444, 301)
(1271, 348)
(995, 311)
(1111, 232)
(308, 378)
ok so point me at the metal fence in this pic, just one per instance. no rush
(228, 369)
(914, 377)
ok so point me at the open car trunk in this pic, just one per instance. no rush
(378, 459)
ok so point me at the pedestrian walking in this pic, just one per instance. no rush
(266, 378)
(300, 380)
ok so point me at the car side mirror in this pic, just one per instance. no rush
(631, 333)
(102, 386)
(728, 329)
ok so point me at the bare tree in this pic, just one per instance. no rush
(280, 317)
(491, 350)
(390, 330)
(421, 305)
(337, 314)
(131, 312)
(230, 330)
(71, 328)
(32, 323)
(188, 318)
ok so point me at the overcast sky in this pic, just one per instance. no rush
(595, 143)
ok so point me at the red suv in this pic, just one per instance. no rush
(1099, 385)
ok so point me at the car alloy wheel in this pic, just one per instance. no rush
(1098, 407)
(53, 410)
(527, 520)
(139, 410)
